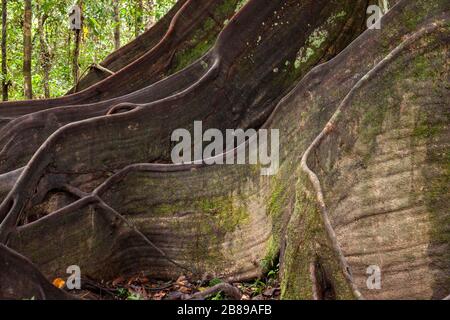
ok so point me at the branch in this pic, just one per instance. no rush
(101, 68)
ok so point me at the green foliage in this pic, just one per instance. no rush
(97, 38)
(258, 287)
(218, 296)
(134, 296)
(215, 282)
(123, 293)
(274, 271)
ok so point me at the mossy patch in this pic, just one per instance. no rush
(211, 220)
(307, 242)
(205, 37)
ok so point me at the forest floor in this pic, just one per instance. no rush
(142, 288)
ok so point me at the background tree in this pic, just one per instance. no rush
(77, 45)
(5, 83)
(27, 50)
(117, 26)
(44, 54)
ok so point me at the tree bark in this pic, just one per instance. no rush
(44, 55)
(221, 71)
(27, 50)
(117, 26)
(138, 47)
(77, 48)
(20, 279)
(245, 115)
(5, 82)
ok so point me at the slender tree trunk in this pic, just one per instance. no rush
(76, 55)
(76, 51)
(138, 17)
(27, 50)
(116, 5)
(45, 55)
(5, 83)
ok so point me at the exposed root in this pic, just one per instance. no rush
(41, 159)
(329, 128)
(20, 279)
(45, 160)
(95, 199)
(8, 180)
(131, 63)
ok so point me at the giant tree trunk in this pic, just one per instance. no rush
(363, 176)
(27, 50)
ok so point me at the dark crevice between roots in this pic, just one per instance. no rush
(324, 286)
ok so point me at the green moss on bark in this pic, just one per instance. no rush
(308, 242)
(205, 37)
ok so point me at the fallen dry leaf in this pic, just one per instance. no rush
(245, 297)
(159, 295)
(184, 290)
(59, 283)
(182, 281)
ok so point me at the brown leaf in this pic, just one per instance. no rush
(185, 290)
(159, 295)
(182, 281)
